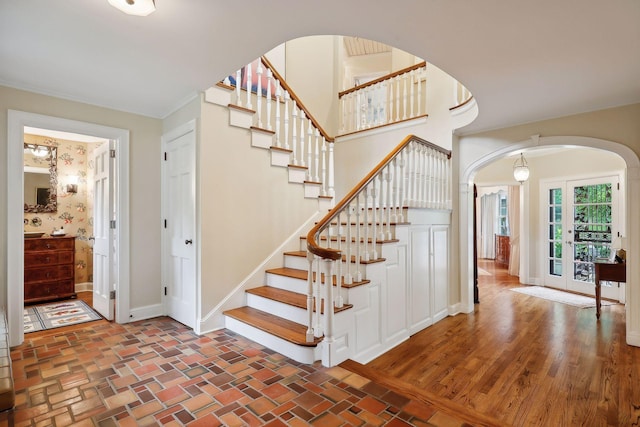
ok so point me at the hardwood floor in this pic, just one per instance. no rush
(526, 361)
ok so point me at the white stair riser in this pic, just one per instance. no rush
(280, 158)
(240, 118)
(292, 261)
(297, 175)
(261, 139)
(219, 96)
(286, 311)
(286, 283)
(311, 191)
(299, 353)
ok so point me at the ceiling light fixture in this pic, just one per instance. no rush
(521, 169)
(134, 7)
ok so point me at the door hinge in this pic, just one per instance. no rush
(112, 295)
(112, 224)
(165, 156)
(112, 153)
(165, 291)
(618, 186)
(165, 223)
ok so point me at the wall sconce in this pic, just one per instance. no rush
(72, 186)
(134, 7)
(521, 169)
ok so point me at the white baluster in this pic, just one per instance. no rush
(269, 83)
(249, 80)
(404, 96)
(259, 93)
(403, 183)
(328, 303)
(389, 178)
(287, 97)
(309, 335)
(393, 191)
(294, 132)
(316, 168)
(332, 192)
(317, 330)
(324, 167)
(309, 150)
(420, 92)
(374, 234)
(411, 90)
(278, 124)
(301, 137)
(348, 279)
(238, 88)
(391, 98)
(365, 192)
(397, 83)
(358, 276)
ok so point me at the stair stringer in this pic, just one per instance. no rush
(215, 320)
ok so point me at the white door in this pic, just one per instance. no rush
(179, 207)
(582, 221)
(103, 233)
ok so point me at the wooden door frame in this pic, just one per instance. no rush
(16, 121)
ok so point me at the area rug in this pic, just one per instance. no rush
(556, 295)
(58, 314)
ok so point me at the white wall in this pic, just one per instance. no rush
(144, 180)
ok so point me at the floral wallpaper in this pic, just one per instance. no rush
(75, 210)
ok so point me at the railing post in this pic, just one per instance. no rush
(301, 137)
(317, 156)
(328, 341)
(317, 330)
(402, 183)
(358, 276)
(309, 151)
(397, 83)
(324, 167)
(389, 178)
(309, 335)
(420, 92)
(366, 222)
(411, 91)
(374, 224)
(348, 279)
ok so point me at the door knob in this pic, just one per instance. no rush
(188, 242)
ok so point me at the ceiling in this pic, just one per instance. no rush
(523, 61)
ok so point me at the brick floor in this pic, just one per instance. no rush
(159, 373)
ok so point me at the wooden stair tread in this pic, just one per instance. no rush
(282, 328)
(302, 275)
(290, 298)
(303, 254)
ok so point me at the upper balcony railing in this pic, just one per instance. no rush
(393, 98)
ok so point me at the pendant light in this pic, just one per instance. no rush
(521, 169)
(134, 7)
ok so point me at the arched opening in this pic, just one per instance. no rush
(632, 230)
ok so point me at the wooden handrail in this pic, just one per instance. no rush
(383, 78)
(335, 254)
(462, 103)
(296, 99)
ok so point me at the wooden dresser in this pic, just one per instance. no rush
(49, 268)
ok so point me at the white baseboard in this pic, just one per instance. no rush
(147, 312)
(84, 287)
(455, 309)
(633, 338)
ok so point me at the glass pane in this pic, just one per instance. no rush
(555, 267)
(583, 272)
(555, 232)
(558, 217)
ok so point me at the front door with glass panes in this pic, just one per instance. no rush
(581, 221)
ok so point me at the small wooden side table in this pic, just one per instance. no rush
(609, 271)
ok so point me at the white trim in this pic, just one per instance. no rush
(632, 197)
(146, 312)
(84, 287)
(16, 121)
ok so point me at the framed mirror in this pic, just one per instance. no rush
(40, 178)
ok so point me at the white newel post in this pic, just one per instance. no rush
(249, 79)
(309, 150)
(389, 178)
(259, 93)
(374, 225)
(358, 242)
(328, 342)
(420, 92)
(310, 259)
(317, 329)
(397, 83)
(404, 96)
(365, 192)
(324, 167)
(411, 90)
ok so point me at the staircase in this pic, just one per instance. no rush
(366, 248)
